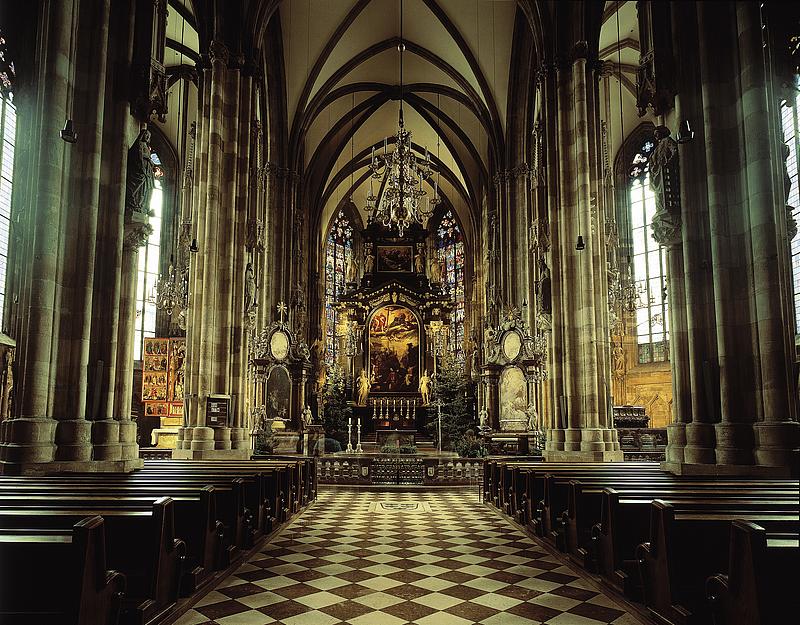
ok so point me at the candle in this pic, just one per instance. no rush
(349, 420)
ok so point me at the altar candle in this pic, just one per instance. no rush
(349, 420)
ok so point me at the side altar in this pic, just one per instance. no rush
(394, 318)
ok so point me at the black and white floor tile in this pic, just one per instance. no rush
(427, 558)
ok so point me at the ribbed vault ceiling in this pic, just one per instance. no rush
(342, 88)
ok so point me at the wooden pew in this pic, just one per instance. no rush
(760, 587)
(684, 550)
(228, 504)
(70, 564)
(139, 542)
(624, 524)
(585, 504)
(195, 516)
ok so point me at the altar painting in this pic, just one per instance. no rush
(394, 353)
(279, 391)
(396, 258)
(513, 399)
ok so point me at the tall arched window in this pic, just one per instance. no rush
(338, 250)
(649, 261)
(149, 259)
(450, 251)
(791, 135)
(8, 131)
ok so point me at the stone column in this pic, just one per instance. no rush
(582, 378)
(119, 437)
(491, 381)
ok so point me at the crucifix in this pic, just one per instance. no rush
(281, 311)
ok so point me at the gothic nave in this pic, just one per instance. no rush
(292, 276)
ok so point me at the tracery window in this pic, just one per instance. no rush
(450, 252)
(8, 131)
(791, 135)
(649, 262)
(149, 265)
(338, 251)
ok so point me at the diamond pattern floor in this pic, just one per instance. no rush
(428, 558)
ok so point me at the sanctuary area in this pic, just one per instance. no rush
(392, 312)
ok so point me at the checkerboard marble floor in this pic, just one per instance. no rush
(428, 558)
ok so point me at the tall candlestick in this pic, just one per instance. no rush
(358, 430)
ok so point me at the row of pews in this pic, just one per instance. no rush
(693, 550)
(101, 549)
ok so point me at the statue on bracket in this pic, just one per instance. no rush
(544, 287)
(665, 183)
(435, 271)
(363, 387)
(369, 261)
(140, 177)
(250, 299)
(425, 388)
(419, 259)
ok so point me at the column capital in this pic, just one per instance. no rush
(137, 229)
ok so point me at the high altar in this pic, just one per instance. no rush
(395, 322)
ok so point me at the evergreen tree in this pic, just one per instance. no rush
(451, 388)
(337, 408)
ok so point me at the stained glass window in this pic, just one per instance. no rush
(791, 135)
(649, 262)
(149, 265)
(338, 250)
(8, 131)
(450, 252)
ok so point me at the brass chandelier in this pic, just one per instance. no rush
(404, 199)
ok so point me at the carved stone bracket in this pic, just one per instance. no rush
(137, 230)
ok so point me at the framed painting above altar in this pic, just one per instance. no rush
(394, 353)
(396, 258)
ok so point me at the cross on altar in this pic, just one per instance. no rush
(282, 311)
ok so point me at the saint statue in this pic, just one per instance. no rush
(419, 261)
(483, 417)
(250, 303)
(369, 262)
(307, 417)
(425, 388)
(435, 271)
(351, 269)
(140, 177)
(665, 184)
(363, 388)
(544, 287)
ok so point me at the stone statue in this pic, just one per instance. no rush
(351, 269)
(544, 290)
(483, 417)
(419, 261)
(369, 262)
(533, 418)
(140, 177)
(791, 222)
(363, 388)
(250, 300)
(425, 388)
(619, 361)
(8, 385)
(306, 417)
(435, 271)
(665, 184)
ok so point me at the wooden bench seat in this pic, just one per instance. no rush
(195, 519)
(760, 587)
(71, 564)
(684, 549)
(139, 542)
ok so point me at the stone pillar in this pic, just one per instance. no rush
(491, 381)
(581, 369)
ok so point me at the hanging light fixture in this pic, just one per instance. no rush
(404, 199)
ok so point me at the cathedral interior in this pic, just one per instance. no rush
(399, 311)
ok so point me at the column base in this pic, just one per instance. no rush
(741, 470)
(74, 441)
(583, 456)
(202, 439)
(222, 439)
(129, 448)
(51, 468)
(105, 440)
(28, 440)
(778, 444)
(735, 442)
(240, 438)
(584, 440)
(700, 443)
(211, 454)
(676, 442)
